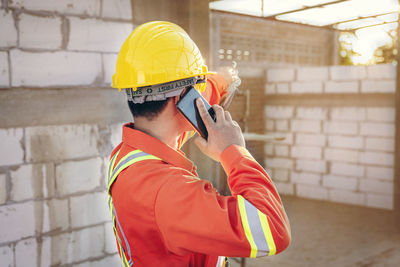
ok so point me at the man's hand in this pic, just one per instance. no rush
(221, 134)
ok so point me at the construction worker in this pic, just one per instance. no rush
(163, 213)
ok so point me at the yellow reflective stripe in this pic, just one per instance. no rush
(267, 233)
(246, 227)
(116, 172)
(111, 166)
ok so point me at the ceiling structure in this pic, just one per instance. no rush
(344, 15)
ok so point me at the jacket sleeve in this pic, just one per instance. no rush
(215, 89)
(193, 217)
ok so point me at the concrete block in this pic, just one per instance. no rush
(89, 243)
(109, 61)
(6, 256)
(380, 144)
(11, 146)
(347, 169)
(279, 163)
(376, 186)
(348, 72)
(61, 142)
(95, 210)
(287, 138)
(54, 68)
(3, 189)
(269, 149)
(116, 134)
(306, 87)
(280, 75)
(306, 178)
(311, 113)
(281, 175)
(269, 89)
(8, 32)
(40, 32)
(347, 197)
(26, 252)
(32, 181)
(88, 35)
(282, 125)
(285, 188)
(380, 173)
(318, 166)
(348, 114)
(282, 88)
(340, 182)
(306, 126)
(335, 127)
(78, 176)
(334, 87)
(312, 74)
(341, 141)
(377, 129)
(306, 152)
(4, 70)
(311, 191)
(54, 213)
(89, 7)
(110, 241)
(119, 9)
(310, 139)
(375, 86)
(341, 155)
(113, 260)
(279, 112)
(381, 71)
(381, 114)
(270, 124)
(377, 158)
(282, 150)
(17, 215)
(380, 201)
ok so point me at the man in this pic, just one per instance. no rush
(163, 214)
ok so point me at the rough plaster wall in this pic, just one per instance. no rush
(339, 124)
(52, 177)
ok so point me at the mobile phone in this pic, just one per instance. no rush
(187, 106)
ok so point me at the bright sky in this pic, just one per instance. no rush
(368, 39)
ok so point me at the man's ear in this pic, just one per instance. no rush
(176, 99)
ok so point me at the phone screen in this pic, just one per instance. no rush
(187, 106)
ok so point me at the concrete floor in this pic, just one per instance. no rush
(327, 234)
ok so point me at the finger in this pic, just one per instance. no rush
(201, 143)
(205, 116)
(219, 113)
(228, 116)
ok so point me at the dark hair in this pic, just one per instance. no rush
(149, 109)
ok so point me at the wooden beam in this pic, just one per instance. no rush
(361, 17)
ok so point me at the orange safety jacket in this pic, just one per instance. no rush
(164, 215)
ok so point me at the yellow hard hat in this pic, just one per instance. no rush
(155, 53)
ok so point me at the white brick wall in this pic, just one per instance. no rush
(282, 150)
(281, 175)
(378, 86)
(380, 173)
(32, 35)
(279, 163)
(97, 35)
(341, 155)
(306, 126)
(280, 75)
(377, 129)
(109, 61)
(348, 72)
(26, 252)
(282, 88)
(306, 152)
(347, 169)
(310, 139)
(105, 262)
(8, 32)
(111, 244)
(343, 196)
(380, 201)
(88, 7)
(11, 147)
(306, 87)
(311, 113)
(311, 165)
(279, 112)
(89, 209)
(340, 141)
(312, 74)
(269, 89)
(54, 69)
(339, 182)
(116, 134)
(61, 142)
(78, 176)
(375, 186)
(348, 114)
(377, 158)
(306, 178)
(3, 189)
(335, 127)
(314, 192)
(285, 188)
(381, 71)
(13, 215)
(381, 114)
(119, 9)
(341, 87)
(282, 125)
(55, 215)
(381, 144)
(4, 71)
(6, 256)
